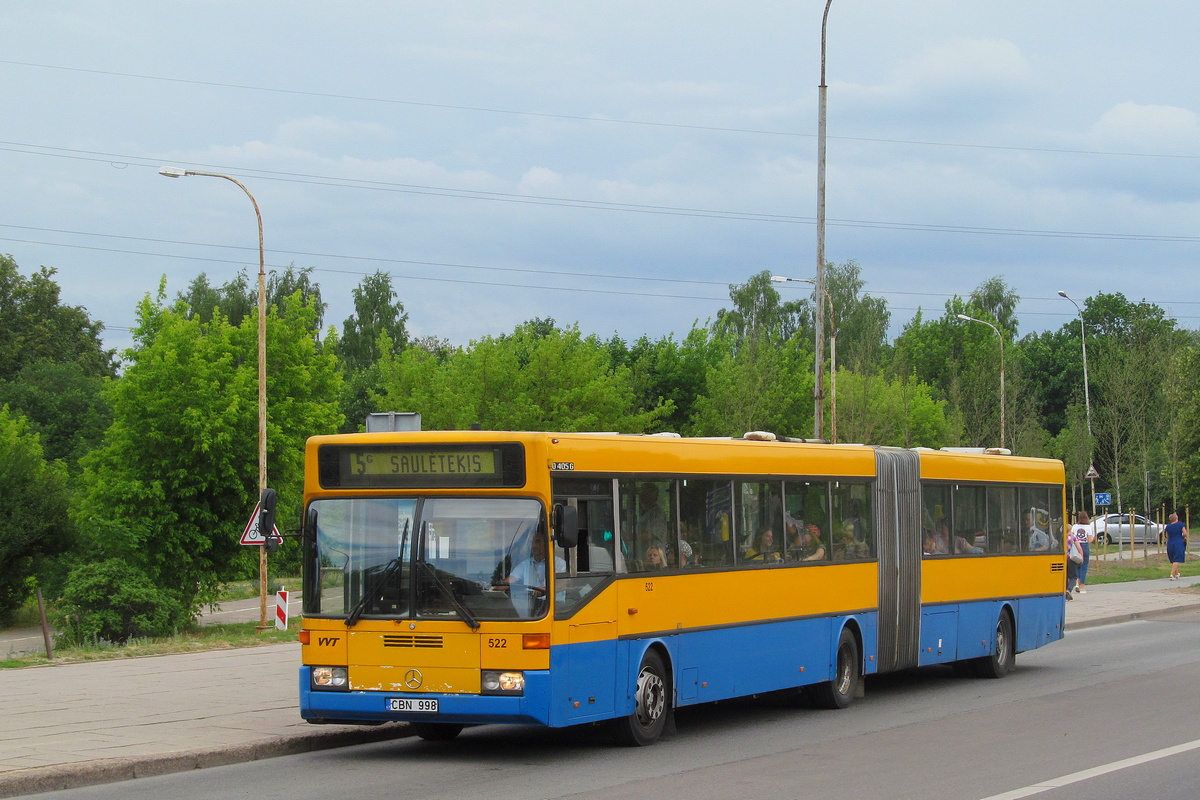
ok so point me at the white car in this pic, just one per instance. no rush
(1116, 528)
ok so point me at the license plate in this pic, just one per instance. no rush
(411, 704)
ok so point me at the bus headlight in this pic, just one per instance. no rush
(331, 678)
(495, 682)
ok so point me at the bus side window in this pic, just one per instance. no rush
(706, 510)
(1002, 519)
(648, 523)
(807, 521)
(852, 539)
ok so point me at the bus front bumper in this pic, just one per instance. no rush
(358, 707)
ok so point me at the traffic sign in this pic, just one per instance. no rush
(1104, 498)
(1091, 473)
(251, 534)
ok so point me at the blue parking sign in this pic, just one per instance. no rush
(1104, 498)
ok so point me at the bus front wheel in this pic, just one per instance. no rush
(652, 704)
(840, 692)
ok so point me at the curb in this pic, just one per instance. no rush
(91, 773)
(1129, 617)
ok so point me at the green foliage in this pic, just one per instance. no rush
(113, 601)
(376, 313)
(33, 510)
(758, 314)
(757, 387)
(177, 476)
(52, 363)
(897, 412)
(534, 379)
(35, 326)
(666, 372)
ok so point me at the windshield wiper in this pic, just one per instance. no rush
(431, 573)
(376, 584)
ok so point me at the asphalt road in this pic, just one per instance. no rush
(1101, 696)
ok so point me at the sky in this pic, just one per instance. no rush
(612, 164)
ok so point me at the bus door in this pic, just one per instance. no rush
(897, 511)
(582, 600)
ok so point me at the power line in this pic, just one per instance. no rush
(567, 202)
(586, 118)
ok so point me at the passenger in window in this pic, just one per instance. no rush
(1039, 540)
(688, 557)
(961, 545)
(650, 514)
(847, 546)
(804, 541)
(655, 557)
(764, 548)
(937, 541)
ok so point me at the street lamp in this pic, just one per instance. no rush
(176, 172)
(818, 405)
(1001, 337)
(1087, 401)
(832, 351)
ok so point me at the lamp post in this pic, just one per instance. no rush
(818, 405)
(1000, 336)
(176, 172)
(1087, 401)
(832, 350)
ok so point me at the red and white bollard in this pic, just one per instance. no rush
(281, 610)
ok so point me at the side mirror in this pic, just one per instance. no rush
(266, 520)
(566, 525)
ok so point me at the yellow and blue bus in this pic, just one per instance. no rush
(683, 571)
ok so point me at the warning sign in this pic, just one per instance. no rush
(251, 535)
(1091, 473)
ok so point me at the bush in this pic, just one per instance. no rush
(113, 601)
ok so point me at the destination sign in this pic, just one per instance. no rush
(405, 465)
(416, 462)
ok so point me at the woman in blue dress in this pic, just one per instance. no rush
(1176, 544)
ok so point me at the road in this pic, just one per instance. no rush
(1103, 695)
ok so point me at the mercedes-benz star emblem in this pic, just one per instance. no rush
(412, 679)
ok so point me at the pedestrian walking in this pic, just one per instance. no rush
(1177, 534)
(1086, 534)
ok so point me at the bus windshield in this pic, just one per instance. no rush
(479, 558)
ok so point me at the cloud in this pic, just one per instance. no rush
(968, 79)
(539, 178)
(1147, 128)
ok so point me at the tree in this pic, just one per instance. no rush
(536, 378)
(238, 298)
(861, 321)
(758, 314)
(900, 412)
(33, 510)
(177, 474)
(756, 386)
(376, 312)
(52, 363)
(35, 326)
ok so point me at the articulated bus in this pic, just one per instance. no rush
(683, 571)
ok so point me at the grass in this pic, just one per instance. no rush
(207, 637)
(1156, 566)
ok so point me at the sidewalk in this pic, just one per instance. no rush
(68, 725)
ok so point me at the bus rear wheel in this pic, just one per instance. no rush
(436, 731)
(998, 664)
(841, 691)
(652, 704)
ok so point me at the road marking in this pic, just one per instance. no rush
(1104, 769)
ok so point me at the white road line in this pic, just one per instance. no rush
(1087, 774)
